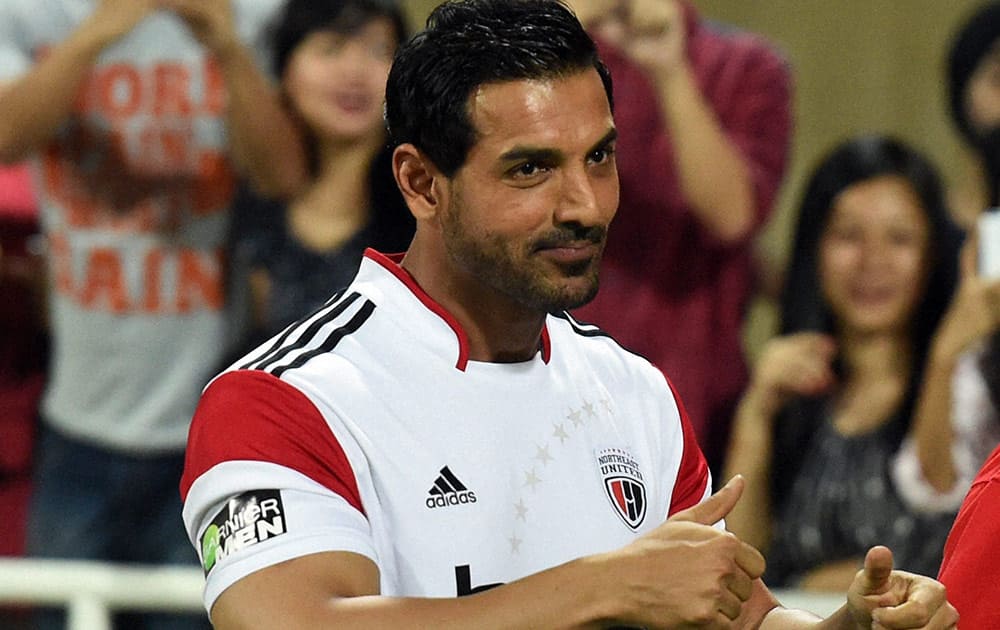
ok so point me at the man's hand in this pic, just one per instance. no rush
(688, 573)
(211, 22)
(881, 598)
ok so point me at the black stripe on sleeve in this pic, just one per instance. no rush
(331, 341)
(279, 349)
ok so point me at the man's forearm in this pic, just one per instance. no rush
(297, 594)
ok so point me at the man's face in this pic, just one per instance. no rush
(527, 214)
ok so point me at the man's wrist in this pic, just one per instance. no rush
(598, 602)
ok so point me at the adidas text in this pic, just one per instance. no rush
(453, 498)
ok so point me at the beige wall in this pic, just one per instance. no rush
(859, 65)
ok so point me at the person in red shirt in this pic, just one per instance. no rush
(705, 117)
(971, 555)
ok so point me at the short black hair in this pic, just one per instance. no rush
(467, 44)
(803, 307)
(300, 18)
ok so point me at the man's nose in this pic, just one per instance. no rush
(578, 202)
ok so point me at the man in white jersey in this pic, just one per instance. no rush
(138, 114)
(441, 446)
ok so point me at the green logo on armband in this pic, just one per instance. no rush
(209, 547)
(245, 520)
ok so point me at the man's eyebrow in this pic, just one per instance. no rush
(550, 156)
(531, 154)
(608, 138)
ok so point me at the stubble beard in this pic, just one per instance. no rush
(521, 278)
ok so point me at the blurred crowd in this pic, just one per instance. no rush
(185, 178)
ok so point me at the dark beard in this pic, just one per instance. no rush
(521, 283)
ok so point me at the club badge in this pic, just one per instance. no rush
(623, 484)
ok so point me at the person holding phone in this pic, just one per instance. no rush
(832, 396)
(956, 422)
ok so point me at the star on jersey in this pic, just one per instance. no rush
(560, 432)
(515, 544)
(521, 510)
(575, 419)
(542, 454)
(531, 479)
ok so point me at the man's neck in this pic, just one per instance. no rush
(498, 329)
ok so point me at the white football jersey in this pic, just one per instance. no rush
(366, 428)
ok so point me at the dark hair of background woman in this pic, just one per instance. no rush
(392, 224)
(803, 307)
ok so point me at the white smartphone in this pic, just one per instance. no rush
(989, 243)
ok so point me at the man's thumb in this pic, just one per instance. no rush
(878, 567)
(716, 507)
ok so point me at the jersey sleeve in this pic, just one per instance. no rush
(265, 481)
(694, 481)
(971, 556)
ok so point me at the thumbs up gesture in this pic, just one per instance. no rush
(688, 573)
(881, 598)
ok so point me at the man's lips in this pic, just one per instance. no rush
(572, 252)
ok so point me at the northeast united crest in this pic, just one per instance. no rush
(623, 484)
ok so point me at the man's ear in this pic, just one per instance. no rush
(419, 180)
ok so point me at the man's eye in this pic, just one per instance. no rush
(527, 169)
(602, 155)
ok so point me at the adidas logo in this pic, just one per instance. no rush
(448, 490)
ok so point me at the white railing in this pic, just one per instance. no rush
(90, 591)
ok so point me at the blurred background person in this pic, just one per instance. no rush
(23, 351)
(332, 58)
(956, 424)
(137, 112)
(973, 91)
(23, 348)
(831, 398)
(704, 119)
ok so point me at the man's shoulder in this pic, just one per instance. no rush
(600, 349)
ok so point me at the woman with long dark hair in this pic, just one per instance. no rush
(332, 58)
(872, 271)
